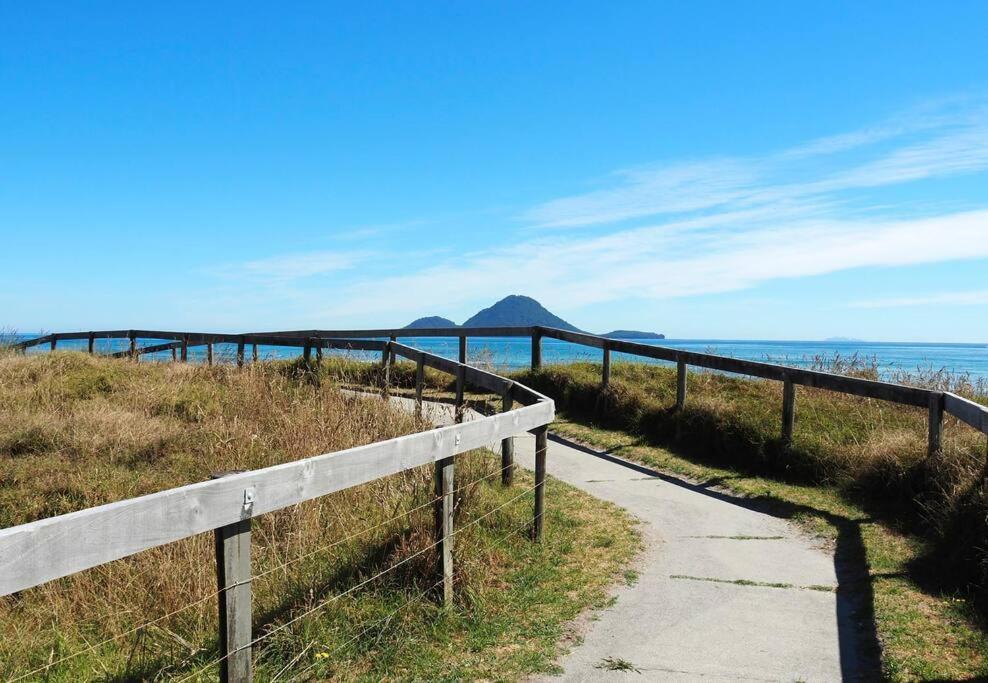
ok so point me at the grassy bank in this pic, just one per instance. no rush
(77, 431)
(910, 533)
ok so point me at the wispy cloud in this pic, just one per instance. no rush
(674, 188)
(929, 144)
(722, 225)
(652, 263)
(693, 227)
(978, 297)
(289, 267)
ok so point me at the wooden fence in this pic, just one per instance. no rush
(938, 403)
(47, 549)
(33, 553)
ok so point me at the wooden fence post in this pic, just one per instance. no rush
(391, 358)
(680, 385)
(788, 412)
(936, 424)
(507, 446)
(174, 354)
(319, 356)
(444, 525)
(185, 348)
(419, 383)
(133, 345)
(209, 353)
(253, 352)
(92, 343)
(386, 369)
(460, 381)
(54, 341)
(536, 350)
(606, 374)
(233, 578)
(541, 446)
(307, 352)
(463, 349)
(240, 352)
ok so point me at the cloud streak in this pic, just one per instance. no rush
(690, 228)
(930, 145)
(651, 264)
(287, 268)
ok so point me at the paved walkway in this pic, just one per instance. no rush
(702, 608)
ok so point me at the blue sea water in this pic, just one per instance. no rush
(891, 358)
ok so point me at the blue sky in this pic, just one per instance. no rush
(712, 170)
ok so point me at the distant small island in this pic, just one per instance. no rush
(843, 339)
(433, 321)
(633, 334)
(519, 311)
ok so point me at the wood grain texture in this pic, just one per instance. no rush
(968, 412)
(444, 525)
(233, 581)
(541, 448)
(33, 553)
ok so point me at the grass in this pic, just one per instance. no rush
(617, 664)
(78, 431)
(909, 534)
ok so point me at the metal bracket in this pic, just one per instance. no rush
(249, 496)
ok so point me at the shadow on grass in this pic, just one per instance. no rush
(860, 651)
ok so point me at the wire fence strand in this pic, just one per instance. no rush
(328, 601)
(93, 647)
(418, 596)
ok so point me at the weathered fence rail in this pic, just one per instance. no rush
(48, 549)
(938, 403)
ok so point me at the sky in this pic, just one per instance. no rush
(732, 170)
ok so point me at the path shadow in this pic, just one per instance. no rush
(860, 651)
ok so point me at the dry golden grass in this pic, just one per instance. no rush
(78, 431)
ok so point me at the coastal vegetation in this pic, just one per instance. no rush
(910, 532)
(78, 430)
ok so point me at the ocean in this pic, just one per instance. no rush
(891, 358)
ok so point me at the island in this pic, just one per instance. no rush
(633, 334)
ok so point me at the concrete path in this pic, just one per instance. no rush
(689, 617)
(686, 619)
